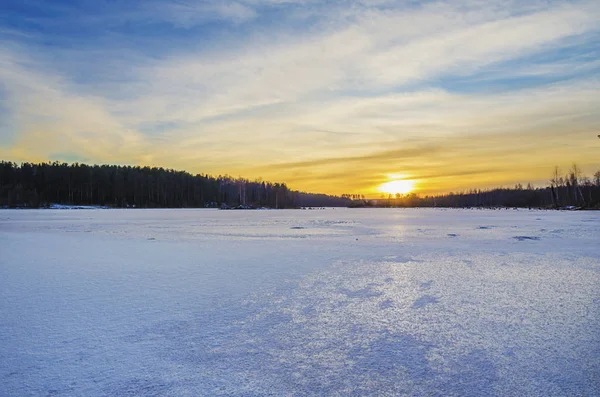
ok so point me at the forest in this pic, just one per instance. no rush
(40, 185)
(35, 185)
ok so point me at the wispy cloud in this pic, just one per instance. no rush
(189, 13)
(50, 118)
(381, 52)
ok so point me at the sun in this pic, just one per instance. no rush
(401, 186)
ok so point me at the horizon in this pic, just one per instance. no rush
(327, 97)
(382, 193)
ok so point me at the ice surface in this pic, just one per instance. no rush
(384, 302)
(76, 207)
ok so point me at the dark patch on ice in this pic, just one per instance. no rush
(366, 292)
(407, 260)
(468, 262)
(426, 284)
(543, 230)
(572, 383)
(393, 354)
(276, 318)
(524, 238)
(484, 227)
(151, 238)
(557, 231)
(476, 376)
(538, 219)
(386, 304)
(309, 311)
(297, 227)
(342, 303)
(389, 280)
(510, 352)
(424, 301)
(452, 235)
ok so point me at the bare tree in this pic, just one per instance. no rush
(555, 183)
(574, 178)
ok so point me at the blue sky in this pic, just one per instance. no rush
(332, 96)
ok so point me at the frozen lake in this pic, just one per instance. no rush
(386, 302)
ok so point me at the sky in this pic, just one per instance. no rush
(328, 96)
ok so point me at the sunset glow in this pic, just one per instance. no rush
(402, 186)
(323, 96)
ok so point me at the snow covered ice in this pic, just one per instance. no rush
(363, 302)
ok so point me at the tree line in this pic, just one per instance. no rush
(571, 190)
(37, 185)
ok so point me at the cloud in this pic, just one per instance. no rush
(188, 13)
(381, 51)
(353, 92)
(50, 118)
(381, 156)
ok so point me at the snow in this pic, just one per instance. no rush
(386, 302)
(75, 207)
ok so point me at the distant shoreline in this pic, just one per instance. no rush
(100, 207)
